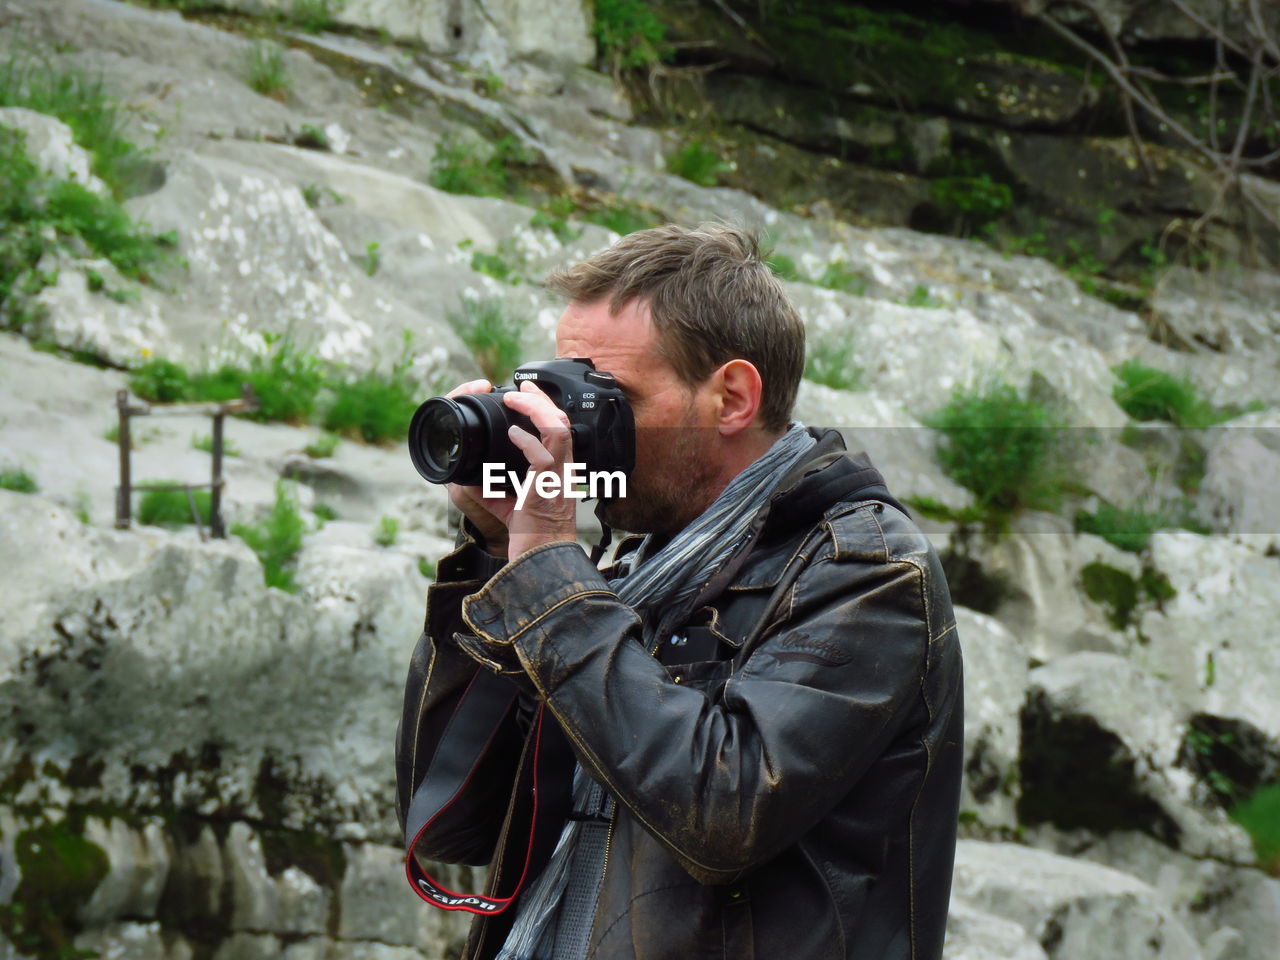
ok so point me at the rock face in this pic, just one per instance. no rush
(194, 766)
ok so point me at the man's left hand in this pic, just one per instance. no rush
(541, 519)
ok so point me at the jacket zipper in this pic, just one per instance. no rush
(608, 841)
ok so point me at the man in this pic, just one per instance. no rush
(761, 698)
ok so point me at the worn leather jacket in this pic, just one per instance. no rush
(791, 794)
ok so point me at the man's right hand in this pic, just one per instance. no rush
(468, 499)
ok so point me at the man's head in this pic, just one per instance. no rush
(709, 349)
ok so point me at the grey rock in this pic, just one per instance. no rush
(139, 864)
(133, 941)
(51, 145)
(974, 935)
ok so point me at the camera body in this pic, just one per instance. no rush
(452, 438)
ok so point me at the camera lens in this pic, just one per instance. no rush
(438, 434)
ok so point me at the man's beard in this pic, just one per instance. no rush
(669, 491)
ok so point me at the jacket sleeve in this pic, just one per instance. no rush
(439, 673)
(725, 780)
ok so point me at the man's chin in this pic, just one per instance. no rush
(629, 516)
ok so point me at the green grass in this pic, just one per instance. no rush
(375, 407)
(1130, 528)
(698, 163)
(839, 276)
(371, 261)
(172, 508)
(324, 513)
(39, 214)
(79, 101)
(17, 480)
(276, 539)
(1145, 393)
(1121, 594)
(322, 446)
(505, 264)
(205, 442)
(921, 297)
(622, 218)
(829, 360)
(493, 333)
(385, 533)
(784, 267)
(427, 569)
(313, 16)
(460, 166)
(265, 70)
(1002, 445)
(1260, 817)
(628, 35)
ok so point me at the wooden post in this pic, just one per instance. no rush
(216, 528)
(124, 494)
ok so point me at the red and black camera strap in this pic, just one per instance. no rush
(546, 776)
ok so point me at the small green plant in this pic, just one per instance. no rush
(460, 166)
(628, 35)
(830, 361)
(372, 259)
(322, 446)
(505, 264)
(17, 480)
(839, 276)
(1146, 393)
(205, 442)
(621, 218)
(172, 508)
(160, 381)
(388, 528)
(324, 513)
(1130, 528)
(316, 195)
(783, 267)
(276, 539)
(285, 380)
(554, 216)
(265, 69)
(699, 163)
(1003, 445)
(311, 137)
(313, 16)
(935, 509)
(427, 569)
(1259, 814)
(493, 333)
(1121, 593)
(970, 202)
(920, 297)
(375, 407)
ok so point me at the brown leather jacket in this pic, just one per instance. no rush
(794, 795)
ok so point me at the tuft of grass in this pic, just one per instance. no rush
(79, 101)
(921, 297)
(628, 35)
(265, 69)
(1130, 528)
(504, 264)
(322, 446)
(372, 259)
(698, 163)
(622, 218)
(554, 216)
(839, 276)
(17, 480)
(1002, 445)
(374, 407)
(427, 569)
(830, 361)
(276, 539)
(324, 513)
(205, 442)
(1260, 817)
(316, 195)
(172, 508)
(493, 333)
(783, 267)
(1145, 393)
(935, 509)
(385, 533)
(314, 16)
(460, 166)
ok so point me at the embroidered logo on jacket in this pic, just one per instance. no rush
(801, 646)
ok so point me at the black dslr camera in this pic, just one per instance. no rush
(451, 439)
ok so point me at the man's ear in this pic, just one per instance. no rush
(740, 391)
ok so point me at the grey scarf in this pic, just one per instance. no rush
(658, 586)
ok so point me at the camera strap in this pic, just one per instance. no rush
(484, 707)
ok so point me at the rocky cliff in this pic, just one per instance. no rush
(351, 204)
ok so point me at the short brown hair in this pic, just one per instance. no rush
(712, 299)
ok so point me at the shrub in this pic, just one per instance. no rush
(265, 69)
(161, 381)
(1146, 393)
(371, 262)
(276, 539)
(324, 513)
(17, 480)
(285, 380)
(1121, 593)
(629, 35)
(205, 442)
(322, 446)
(829, 361)
(103, 224)
(621, 218)
(1260, 817)
(375, 407)
(1002, 445)
(172, 508)
(699, 164)
(493, 334)
(504, 264)
(384, 535)
(783, 267)
(462, 167)
(314, 16)
(427, 569)
(971, 201)
(1130, 528)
